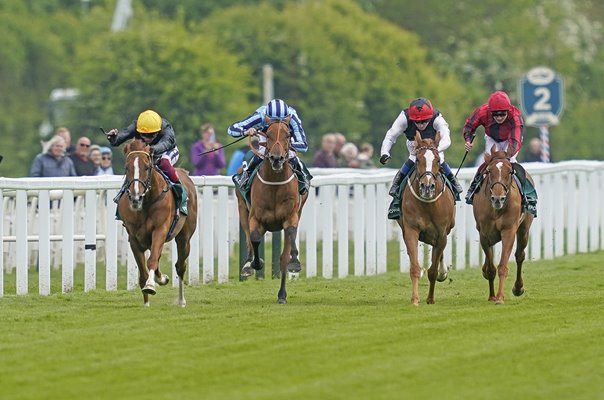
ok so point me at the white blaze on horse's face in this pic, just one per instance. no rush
(137, 176)
(499, 165)
(429, 156)
(427, 184)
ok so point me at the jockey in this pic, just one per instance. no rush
(422, 117)
(503, 126)
(158, 133)
(276, 109)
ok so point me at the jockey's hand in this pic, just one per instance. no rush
(384, 159)
(250, 132)
(468, 146)
(111, 134)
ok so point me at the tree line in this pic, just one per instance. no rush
(347, 66)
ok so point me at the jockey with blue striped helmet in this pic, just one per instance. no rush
(276, 109)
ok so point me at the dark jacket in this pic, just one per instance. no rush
(164, 141)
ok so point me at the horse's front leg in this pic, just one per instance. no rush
(183, 248)
(411, 238)
(435, 273)
(139, 257)
(244, 214)
(155, 275)
(256, 233)
(507, 243)
(488, 268)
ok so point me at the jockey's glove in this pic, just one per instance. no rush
(384, 159)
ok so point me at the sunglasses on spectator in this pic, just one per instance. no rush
(84, 144)
(499, 113)
(106, 158)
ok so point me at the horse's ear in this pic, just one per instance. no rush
(267, 120)
(418, 138)
(127, 148)
(509, 151)
(493, 149)
(437, 139)
(289, 118)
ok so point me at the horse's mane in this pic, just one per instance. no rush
(136, 145)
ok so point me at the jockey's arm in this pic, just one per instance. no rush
(237, 129)
(441, 125)
(123, 135)
(398, 127)
(298, 139)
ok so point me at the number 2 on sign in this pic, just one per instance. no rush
(543, 95)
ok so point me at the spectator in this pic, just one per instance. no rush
(83, 165)
(105, 168)
(365, 156)
(340, 141)
(326, 156)
(53, 162)
(94, 155)
(209, 163)
(534, 151)
(349, 154)
(64, 133)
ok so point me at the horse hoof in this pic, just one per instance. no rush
(430, 301)
(294, 267)
(146, 305)
(182, 304)
(149, 290)
(281, 301)
(442, 278)
(499, 301)
(246, 271)
(492, 298)
(518, 292)
(258, 265)
(163, 281)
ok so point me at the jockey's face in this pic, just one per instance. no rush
(499, 116)
(421, 125)
(148, 138)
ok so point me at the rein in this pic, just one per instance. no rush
(418, 178)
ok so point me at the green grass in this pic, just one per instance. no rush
(354, 338)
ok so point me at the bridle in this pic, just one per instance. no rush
(426, 173)
(270, 150)
(492, 184)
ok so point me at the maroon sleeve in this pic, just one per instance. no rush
(517, 129)
(472, 123)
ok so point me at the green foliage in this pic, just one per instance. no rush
(343, 69)
(187, 78)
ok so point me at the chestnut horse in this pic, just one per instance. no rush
(499, 217)
(275, 205)
(148, 210)
(428, 214)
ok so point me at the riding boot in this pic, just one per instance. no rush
(529, 194)
(242, 180)
(398, 178)
(180, 193)
(473, 187)
(449, 174)
(299, 170)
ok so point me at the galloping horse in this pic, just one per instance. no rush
(499, 217)
(148, 212)
(275, 205)
(428, 214)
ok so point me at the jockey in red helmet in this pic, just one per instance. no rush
(503, 127)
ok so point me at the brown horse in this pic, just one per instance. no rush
(428, 214)
(499, 217)
(148, 210)
(275, 205)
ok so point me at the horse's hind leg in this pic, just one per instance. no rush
(522, 237)
(183, 248)
(256, 234)
(488, 268)
(293, 264)
(244, 214)
(435, 271)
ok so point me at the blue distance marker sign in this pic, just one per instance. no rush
(541, 97)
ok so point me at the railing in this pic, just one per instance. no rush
(56, 223)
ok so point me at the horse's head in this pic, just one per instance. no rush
(139, 171)
(428, 164)
(499, 173)
(277, 142)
